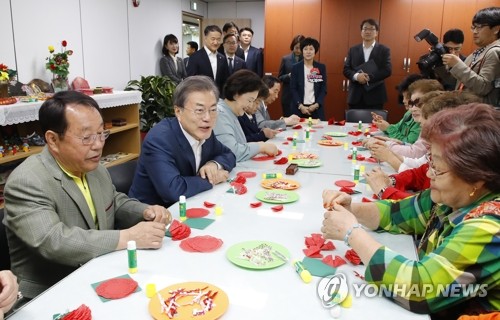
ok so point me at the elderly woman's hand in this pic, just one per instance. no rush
(380, 151)
(377, 179)
(331, 197)
(336, 222)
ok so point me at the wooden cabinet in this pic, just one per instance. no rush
(337, 24)
(124, 139)
(340, 30)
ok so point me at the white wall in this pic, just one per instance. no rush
(242, 10)
(112, 41)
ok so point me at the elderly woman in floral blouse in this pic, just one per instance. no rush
(458, 219)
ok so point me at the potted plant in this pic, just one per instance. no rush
(157, 99)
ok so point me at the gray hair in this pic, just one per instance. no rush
(193, 84)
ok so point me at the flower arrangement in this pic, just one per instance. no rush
(58, 63)
(5, 73)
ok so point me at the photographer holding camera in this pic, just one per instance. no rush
(480, 72)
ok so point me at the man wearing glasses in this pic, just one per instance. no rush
(61, 209)
(480, 72)
(366, 66)
(230, 45)
(180, 155)
(453, 40)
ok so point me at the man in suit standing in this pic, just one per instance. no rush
(191, 47)
(207, 61)
(181, 156)
(61, 208)
(253, 56)
(366, 87)
(234, 62)
(231, 27)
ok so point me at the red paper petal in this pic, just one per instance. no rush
(255, 204)
(328, 260)
(355, 133)
(372, 159)
(240, 179)
(312, 130)
(282, 160)
(208, 204)
(196, 212)
(365, 199)
(357, 143)
(340, 123)
(328, 246)
(82, 313)
(116, 288)
(201, 244)
(331, 121)
(347, 190)
(353, 257)
(358, 157)
(286, 142)
(313, 252)
(302, 120)
(327, 138)
(277, 208)
(247, 174)
(345, 183)
(296, 127)
(179, 231)
(239, 188)
(289, 138)
(338, 261)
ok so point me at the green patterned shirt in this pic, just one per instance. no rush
(456, 255)
(406, 130)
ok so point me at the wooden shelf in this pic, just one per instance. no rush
(20, 155)
(123, 128)
(124, 159)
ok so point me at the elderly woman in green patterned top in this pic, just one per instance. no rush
(458, 219)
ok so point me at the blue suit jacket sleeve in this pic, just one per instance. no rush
(166, 168)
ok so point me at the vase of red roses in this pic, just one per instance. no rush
(58, 64)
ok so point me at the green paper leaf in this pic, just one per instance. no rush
(317, 267)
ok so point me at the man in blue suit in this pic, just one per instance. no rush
(234, 62)
(253, 56)
(181, 156)
(366, 66)
(207, 61)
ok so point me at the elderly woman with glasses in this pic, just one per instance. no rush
(458, 219)
(481, 68)
(419, 148)
(240, 92)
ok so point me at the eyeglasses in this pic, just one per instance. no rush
(91, 138)
(477, 28)
(199, 112)
(369, 29)
(414, 103)
(432, 169)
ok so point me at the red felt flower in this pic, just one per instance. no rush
(353, 257)
(355, 133)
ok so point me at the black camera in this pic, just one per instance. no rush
(432, 59)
